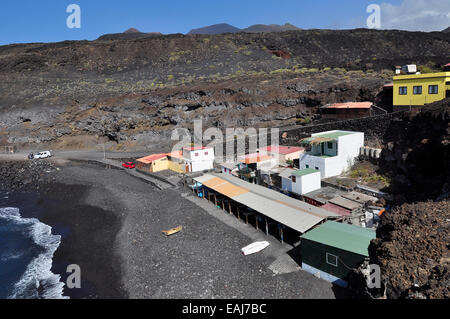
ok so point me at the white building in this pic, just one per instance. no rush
(300, 181)
(332, 152)
(198, 159)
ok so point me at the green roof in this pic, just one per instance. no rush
(343, 236)
(305, 171)
(333, 134)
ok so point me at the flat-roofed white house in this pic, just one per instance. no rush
(332, 152)
(300, 181)
(198, 159)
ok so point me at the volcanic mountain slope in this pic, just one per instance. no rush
(57, 73)
(123, 89)
(215, 29)
(137, 119)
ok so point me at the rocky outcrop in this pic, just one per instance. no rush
(412, 251)
(417, 154)
(257, 101)
(26, 175)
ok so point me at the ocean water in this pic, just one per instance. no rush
(27, 247)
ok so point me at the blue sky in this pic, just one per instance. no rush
(45, 20)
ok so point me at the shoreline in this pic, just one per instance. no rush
(79, 242)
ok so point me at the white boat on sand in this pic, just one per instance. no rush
(255, 247)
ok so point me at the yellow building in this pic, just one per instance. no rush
(419, 89)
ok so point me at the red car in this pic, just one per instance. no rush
(128, 165)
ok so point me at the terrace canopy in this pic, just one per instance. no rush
(290, 212)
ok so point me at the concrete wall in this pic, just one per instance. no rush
(160, 165)
(307, 183)
(198, 166)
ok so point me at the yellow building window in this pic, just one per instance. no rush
(417, 90)
(403, 90)
(433, 89)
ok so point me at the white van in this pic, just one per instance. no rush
(45, 154)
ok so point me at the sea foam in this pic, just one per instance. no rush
(38, 281)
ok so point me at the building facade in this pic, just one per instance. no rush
(300, 181)
(332, 249)
(349, 110)
(198, 159)
(414, 90)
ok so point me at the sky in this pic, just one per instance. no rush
(23, 21)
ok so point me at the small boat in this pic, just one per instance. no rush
(255, 247)
(172, 231)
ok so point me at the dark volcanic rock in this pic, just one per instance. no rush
(412, 250)
(26, 175)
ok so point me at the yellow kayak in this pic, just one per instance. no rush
(172, 231)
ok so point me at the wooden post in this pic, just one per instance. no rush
(209, 196)
(256, 216)
(281, 234)
(239, 216)
(246, 219)
(223, 204)
(215, 199)
(267, 228)
(229, 207)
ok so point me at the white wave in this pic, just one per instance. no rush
(11, 255)
(38, 281)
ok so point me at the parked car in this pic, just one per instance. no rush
(129, 165)
(45, 154)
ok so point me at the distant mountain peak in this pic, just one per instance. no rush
(446, 30)
(132, 30)
(215, 29)
(270, 28)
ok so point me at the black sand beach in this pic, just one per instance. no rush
(87, 237)
(111, 225)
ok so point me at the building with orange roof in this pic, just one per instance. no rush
(348, 110)
(189, 159)
(251, 165)
(284, 153)
(153, 163)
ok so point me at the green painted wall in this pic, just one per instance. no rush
(314, 254)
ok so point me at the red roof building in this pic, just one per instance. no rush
(283, 150)
(348, 110)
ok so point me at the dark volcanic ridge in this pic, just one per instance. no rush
(227, 28)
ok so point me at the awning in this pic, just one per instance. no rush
(290, 212)
(316, 140)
